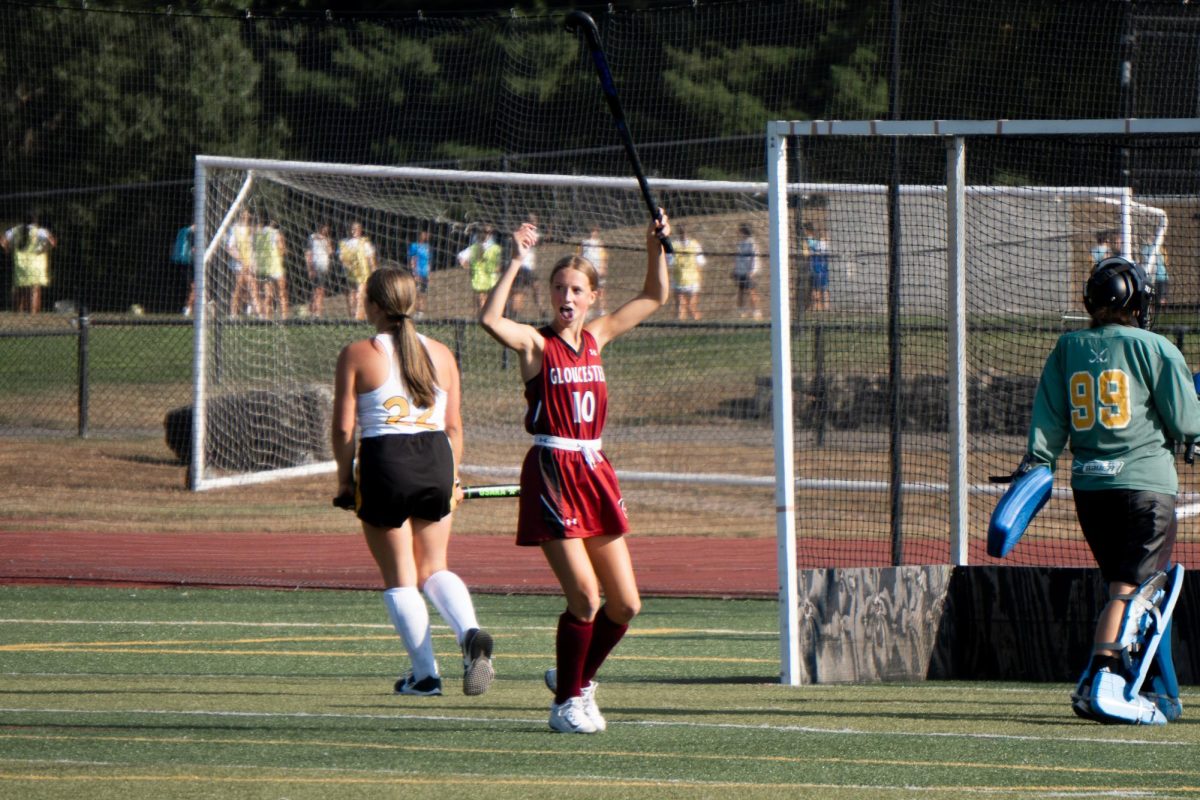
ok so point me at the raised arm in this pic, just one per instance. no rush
(655, 290)
(518, 336)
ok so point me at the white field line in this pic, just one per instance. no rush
(540, 722)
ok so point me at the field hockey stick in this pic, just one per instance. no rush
(346, 501)
(494, 490)
(582, 21)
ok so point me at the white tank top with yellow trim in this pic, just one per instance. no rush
(390, 409)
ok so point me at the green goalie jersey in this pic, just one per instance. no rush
(1119, 396)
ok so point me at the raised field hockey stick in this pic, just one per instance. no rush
(346, 501)
(582, 21)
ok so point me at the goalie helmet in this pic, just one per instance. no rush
(1118, 283)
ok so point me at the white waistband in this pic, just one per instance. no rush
(563, 443)
(589, 447)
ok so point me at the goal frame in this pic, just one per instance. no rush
(209, 243)
(955, 134)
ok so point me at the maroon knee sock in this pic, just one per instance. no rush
(571, 648)
(605, 635)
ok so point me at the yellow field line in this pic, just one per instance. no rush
(639, 754)
(521, 631)
(200, 648)
(627, 783)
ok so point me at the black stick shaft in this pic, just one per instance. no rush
(584, 22)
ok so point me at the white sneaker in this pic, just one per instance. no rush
(570, 717)
(589, 698)
(591, 709)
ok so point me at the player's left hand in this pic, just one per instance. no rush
(659, 229)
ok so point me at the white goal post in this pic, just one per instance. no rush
(942, 221)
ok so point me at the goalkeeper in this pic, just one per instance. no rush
(1120, 396)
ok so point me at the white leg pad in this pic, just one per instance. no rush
(1111, 704)
(1155, 626)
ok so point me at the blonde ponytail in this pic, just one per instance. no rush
(415, 364)
(394, 291)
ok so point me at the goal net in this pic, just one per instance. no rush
(688, 422)
(921, 273)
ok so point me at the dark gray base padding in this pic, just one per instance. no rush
(910, 623)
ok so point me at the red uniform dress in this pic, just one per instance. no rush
(568, 488)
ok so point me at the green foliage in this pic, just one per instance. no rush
(727, 86)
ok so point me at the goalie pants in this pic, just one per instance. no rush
(1131, 532)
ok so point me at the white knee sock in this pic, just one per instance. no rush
(410, 618)
(450, 597)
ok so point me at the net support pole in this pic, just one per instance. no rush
(956, 284)
(83, 321)
(201, 258)
(199, 317)
(1127, 249)
(781, 412)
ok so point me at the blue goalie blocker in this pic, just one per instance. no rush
(1023, 500)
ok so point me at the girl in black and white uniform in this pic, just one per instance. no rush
(401, 390)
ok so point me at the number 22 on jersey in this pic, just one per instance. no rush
(401, 411)
(1101, 399)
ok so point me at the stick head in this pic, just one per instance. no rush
(582, 21)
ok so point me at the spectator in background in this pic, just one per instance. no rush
(239, 244)
(686, 266)
(357, 256)
(319, 258)
(1154, 262)
(1104, 247)
(593, 249)
(30, 245)
(270, 249)
(818, 264)
(526, 281)
(182, 253)
(745, 271)
(418, 265)
(482, 262)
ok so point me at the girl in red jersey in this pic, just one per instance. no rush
(571, 505)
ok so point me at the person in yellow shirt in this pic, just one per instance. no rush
(239, 244)
(686, 266)
(269, 251)
(482, 262)
(358, 259)
(30, 245)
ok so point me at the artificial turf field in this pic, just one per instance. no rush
(171, 693)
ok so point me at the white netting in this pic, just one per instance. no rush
(687, 427)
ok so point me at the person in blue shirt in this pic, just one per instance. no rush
(418, 265)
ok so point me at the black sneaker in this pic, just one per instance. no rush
(478, 672)
(429, 686)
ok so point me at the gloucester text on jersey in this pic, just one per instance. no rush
(589, 373)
